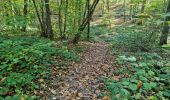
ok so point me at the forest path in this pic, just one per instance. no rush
(82, 81)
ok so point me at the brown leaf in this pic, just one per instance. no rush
(41, 80)
(75, 94)
(106, 98)
(118, 96)
(86, 77)
(80, 95)
(22, 98)
(139, 85)
(3, 79)
(53, 92)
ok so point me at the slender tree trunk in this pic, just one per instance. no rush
(48, 20)
(143, 6)
(42, 10)
(39, 19)
(65, 19)
(60, 18)
(124, 4)
(44, 18)
(85, 22)
(25, 10)
(88, 26)
(130, 12)
(165, 30)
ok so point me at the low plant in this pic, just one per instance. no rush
(23, 60)
(135, 39)
(143, 77)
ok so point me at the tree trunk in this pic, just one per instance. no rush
(25, 15)
(48, 20)
(44, 18)
(60, 21)
(143, 6)
(85, 22)
(165, 30)
(124, 10)
(65, 15)
(88, 27)
(39, 19)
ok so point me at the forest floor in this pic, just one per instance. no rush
(82, 81)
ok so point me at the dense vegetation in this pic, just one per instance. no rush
(42, 41)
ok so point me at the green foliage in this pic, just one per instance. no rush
(100, 33)
(99, 30)
(25, 59)
(134, 39)
(148, 69)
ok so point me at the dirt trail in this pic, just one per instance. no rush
(82, 82)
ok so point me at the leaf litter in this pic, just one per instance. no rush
(81, 80)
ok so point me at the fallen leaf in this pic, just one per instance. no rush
(80, 95)
(3, 79)
(53, 92)
(41, 80)
(86, 77)
(139, 85)
(35, 92)
(118, 96)
(75, 94)
(106, 98)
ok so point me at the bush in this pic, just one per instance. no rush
(23, 60)
(134, 39)
(142, 77)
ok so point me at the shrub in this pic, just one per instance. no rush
(143, 76)
(134, 39)
(26, 59)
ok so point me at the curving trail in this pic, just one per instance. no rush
(82, 82)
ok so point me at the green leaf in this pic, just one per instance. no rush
(151, 73)
(125, 93)
(141, 72)
(3, 90)
(147, 86)
(153, 85)
(166, 93)
(167, 14)
(126, 83)
(3, 66)
(133, 87)
(132, 59)
(134, 81)
(137, 96)
(142, 78)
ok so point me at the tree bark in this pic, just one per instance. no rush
(88, 27)
(48, 20)
(85, 22)
(143, 6)
(39, 19)
(65, 19)
(25, 10)
(165, 30)
(44, 18)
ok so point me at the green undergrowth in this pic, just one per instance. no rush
(24, 60)
(143, 76)
(135, 38)
(98, 33)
